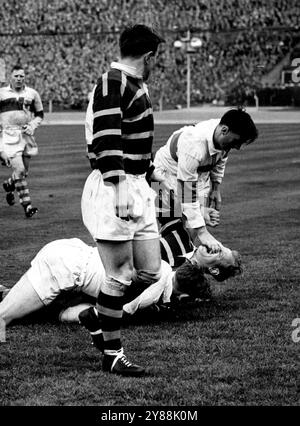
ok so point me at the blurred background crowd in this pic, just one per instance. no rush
(65, 45)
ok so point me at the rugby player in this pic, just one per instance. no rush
(193, 164)
(71, 267)
(21, 113)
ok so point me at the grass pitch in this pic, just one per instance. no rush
(236, 350)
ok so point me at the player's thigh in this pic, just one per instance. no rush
(17, 166)
(117, 258)
(26, 161)
(146, 254)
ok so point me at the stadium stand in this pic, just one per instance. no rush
(65, 45)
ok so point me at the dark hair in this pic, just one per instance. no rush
(240, 122)
(137, 40)
(17, 68)
(191, 280)
(228, 271)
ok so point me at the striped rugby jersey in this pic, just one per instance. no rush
(18, 107)
(119, 124)
(175, 243)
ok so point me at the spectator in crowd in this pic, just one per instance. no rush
(71, 61)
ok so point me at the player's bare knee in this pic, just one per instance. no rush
(19, 174)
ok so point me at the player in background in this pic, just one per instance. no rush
(21, 112)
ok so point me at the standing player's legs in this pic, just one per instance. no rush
(20, 169)
(114, 241)
(117, 261)
(21, 300)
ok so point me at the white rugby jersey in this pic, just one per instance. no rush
(197, 155)
(198, 161)
(19, 107)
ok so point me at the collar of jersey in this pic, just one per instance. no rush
(127, 69)
(13, 90)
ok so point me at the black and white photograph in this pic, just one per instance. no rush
(149, 207)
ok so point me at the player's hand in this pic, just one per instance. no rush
(123, 204)
(5, 159)
(206, 239)
(214, 199)
(28, 129)
(211, 216)
(158, 177)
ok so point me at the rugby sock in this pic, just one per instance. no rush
(23, 192)
(110, 310)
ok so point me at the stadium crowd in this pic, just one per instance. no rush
(65, 45)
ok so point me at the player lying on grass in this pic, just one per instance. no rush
(65, 275)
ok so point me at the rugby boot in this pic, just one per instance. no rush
(10, 198)
(30, 211)
(119, 364)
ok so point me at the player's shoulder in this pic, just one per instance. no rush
(115, 76)
(4, 89)
(31, 91)
(204, 130)
(111, 74)
(112, 77)
(207, 124)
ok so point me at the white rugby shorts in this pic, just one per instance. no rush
(99, 215)
(15, 142)
(64, 265)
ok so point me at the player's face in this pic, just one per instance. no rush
(226, 140)
(17, 79)
(209, 260)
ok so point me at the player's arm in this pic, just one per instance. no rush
(38, 116)
(89, 131)
(153, 293)
(3, 156)
(187, 177)
(107, 142)
(216, 176)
